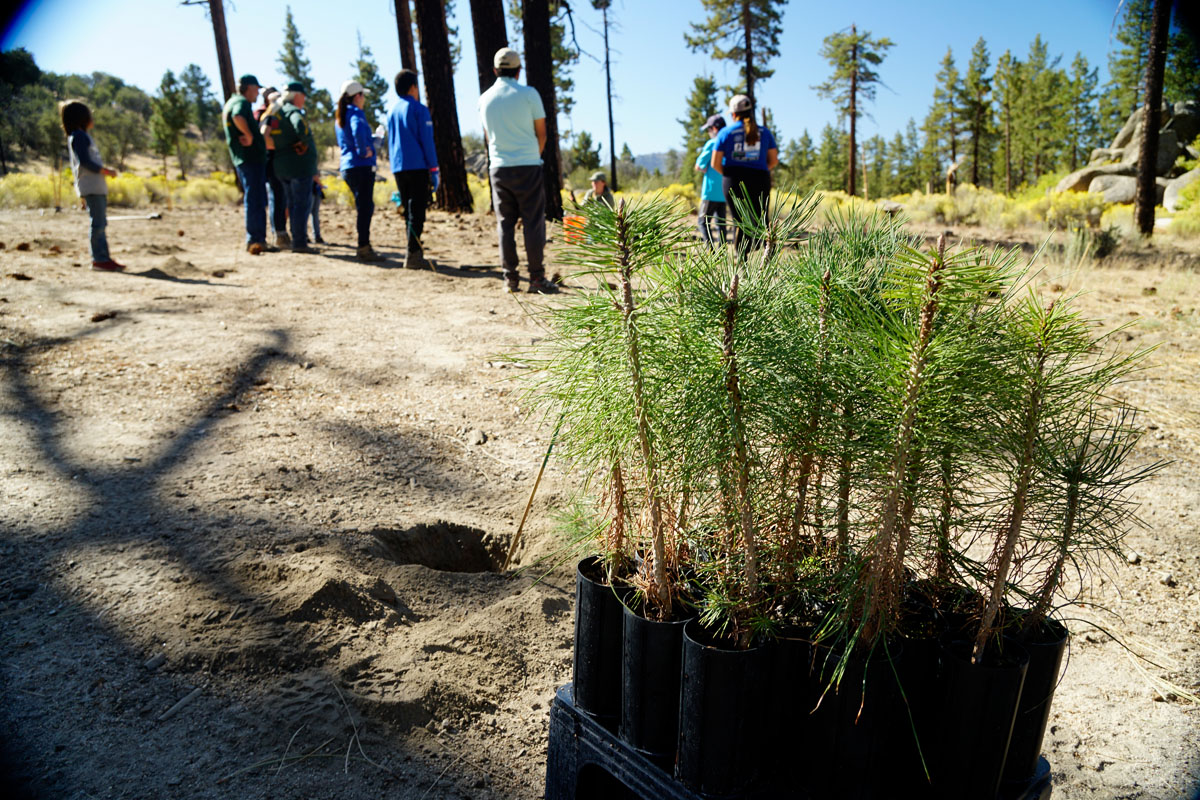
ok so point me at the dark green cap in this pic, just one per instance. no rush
(296, 86)
(249, 80)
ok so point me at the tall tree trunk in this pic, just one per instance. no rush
(453, 194)
(1144, 197)
(539, 73)
(408, 56)
(747, 30)
(612, 137)
(488, 27)
(1007, 149)
(853, 109)
(216, 10)
(975, 133)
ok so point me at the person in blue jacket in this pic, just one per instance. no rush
(414, 161)
(745, 154)
(358, 161)
(712, 191)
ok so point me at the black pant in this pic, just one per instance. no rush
(279, 202)
(712, 214)
(361, 181)
(750, 188)
(520, 193)
(413, 186)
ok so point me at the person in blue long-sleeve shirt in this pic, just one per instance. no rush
(358, 161)
(90, 181)
(414, 161)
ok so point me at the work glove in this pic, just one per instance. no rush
(435, 175)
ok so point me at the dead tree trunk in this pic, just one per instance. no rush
(1145, 196)
(852, 108)
(539, 73)
(408, 55)
(453, 194)
(612, 138)
(216, 10)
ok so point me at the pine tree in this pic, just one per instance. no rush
(584, 154)
(829, 167)
(1083, 122)
(367, 73)
(170, 117)
(876, 176)
(295, 67)
(204, 107)
(603, 6)
(1127, 67)
(975, 105)
(745, 32)
(943, 124)
(702, 103)
(1182, 79)
(1043, 125)
(898, 164)
(1008, 82)
(853, 57)
(797, 162)
(1156, 59)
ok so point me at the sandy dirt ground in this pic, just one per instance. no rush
(253, 512)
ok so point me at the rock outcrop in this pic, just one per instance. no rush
(1111, 170)
(1170, 199)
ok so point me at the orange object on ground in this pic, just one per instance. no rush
(573, 228)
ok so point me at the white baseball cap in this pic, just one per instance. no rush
(351, 88)
(506, 58)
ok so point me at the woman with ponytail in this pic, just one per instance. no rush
(358, 160)
(745, 154)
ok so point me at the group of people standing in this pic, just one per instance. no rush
(273, 148)
(736, 161)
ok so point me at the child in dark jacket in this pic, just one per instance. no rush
(90, 183)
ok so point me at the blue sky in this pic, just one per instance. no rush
(653, 69)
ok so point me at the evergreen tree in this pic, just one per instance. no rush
(204, 107)
(377, 88)
(296, 67)
(1182, 79)
(1083, 121)
(943, 124)
(437, 65)
(1127, 67)
(829, 167)
(702, 103)
(916, 171)
(797, 162)
(1007, 85)
(170, 117)
(975, 105)
(584, 154)
(745, 32)
(876, 177)
(853, 57)
(898, 164)
(1043, 125)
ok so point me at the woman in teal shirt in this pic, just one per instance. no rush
(712, 193)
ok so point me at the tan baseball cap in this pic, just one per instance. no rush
(351, 88)
(740, 102)
(506, 58)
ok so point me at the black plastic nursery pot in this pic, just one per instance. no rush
(598, 634)
(871, 720)
(801, 722)
(921, 630)
(650, 672)
(1045, 644)
(978, 704)
(722, 713)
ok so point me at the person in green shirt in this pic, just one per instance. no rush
(248, 152)
(600, 191)
(296, 163)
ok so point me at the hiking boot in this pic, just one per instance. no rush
(318, 240)
(305, 250)
(415, 258)
(367, 253)
(512, 285)
(541, 286)
(282, 239)
(255, 248)
(107, 266)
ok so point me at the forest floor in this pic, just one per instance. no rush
(253, 510)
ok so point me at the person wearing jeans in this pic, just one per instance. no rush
(514, 125)
(90, 184)
(248, 152)
(358, 161)
(296, 163)
(413, 161)
(712, 194)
